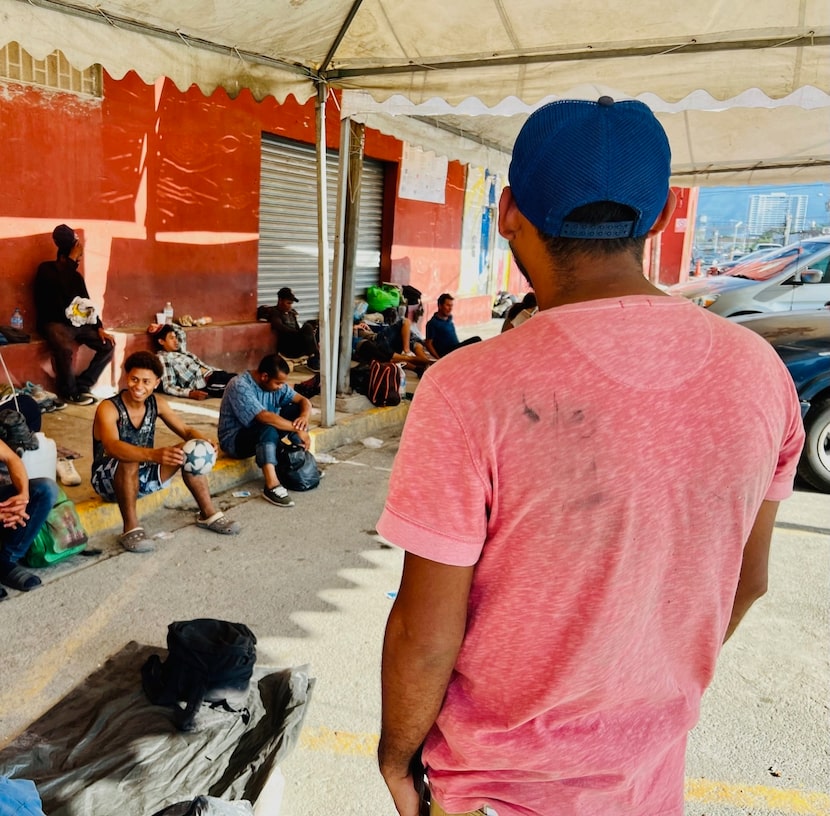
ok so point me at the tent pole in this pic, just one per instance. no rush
(339, 264)
(327, 352)
(351, 158)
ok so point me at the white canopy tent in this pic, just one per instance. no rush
(742, 86)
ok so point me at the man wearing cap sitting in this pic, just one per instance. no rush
(293, 340)
(589, 541)
(66, 318)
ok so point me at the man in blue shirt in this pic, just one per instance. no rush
(441, 334)
(258, 409)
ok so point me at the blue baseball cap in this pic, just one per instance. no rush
(575, 152)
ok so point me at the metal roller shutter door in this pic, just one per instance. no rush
(288, 222)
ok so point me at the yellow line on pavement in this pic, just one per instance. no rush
(702, 791)
(755, 797)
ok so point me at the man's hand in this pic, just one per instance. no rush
(198, 395)
(402, 787)
(304, 438)
(172, 456)
(105, 336)
(301, 423)
(13, 511)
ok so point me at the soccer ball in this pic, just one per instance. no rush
(199, 456)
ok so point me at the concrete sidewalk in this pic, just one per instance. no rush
(71, 429)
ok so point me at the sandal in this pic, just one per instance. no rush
(18, 578)
(136, 541)
(218, 523)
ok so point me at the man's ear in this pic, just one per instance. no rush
(509, 220)
(665, 215)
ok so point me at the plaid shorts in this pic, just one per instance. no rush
(149, 479)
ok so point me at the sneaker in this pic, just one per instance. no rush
(67, 473)
(278, 495)
(82, 399)
(313, 364)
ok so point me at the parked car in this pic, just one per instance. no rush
(781, 280)
(722, 267)
(802, 340)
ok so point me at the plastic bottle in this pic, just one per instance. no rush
(168, 313)
(403, 381)
(17, 319)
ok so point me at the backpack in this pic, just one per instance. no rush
(384, 384)
(296, 467)
(15, 431)
(208, 660)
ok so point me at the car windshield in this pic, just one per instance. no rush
(775, 261)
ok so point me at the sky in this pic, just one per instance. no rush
(724, 204)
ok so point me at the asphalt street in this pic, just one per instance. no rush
(314, 583)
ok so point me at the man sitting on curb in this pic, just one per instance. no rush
(258, 409)
(24, 505)
(184, 374)
(293, 340)
(441, 335)
(126, 465)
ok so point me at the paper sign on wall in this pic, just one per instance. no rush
(423, 175)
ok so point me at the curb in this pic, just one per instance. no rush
(100, 517)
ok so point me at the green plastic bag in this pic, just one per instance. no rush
(385, 296)
(62, 535)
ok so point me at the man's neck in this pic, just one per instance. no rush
(597, 278)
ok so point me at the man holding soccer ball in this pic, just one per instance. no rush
(126, 465)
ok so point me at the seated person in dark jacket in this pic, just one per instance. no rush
(184, 374)
(59, 285)
(294, 340)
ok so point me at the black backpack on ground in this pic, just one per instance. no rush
(208, 660)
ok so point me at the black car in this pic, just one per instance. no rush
(802, 340)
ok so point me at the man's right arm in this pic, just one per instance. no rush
(752, 583)
(105, 428)
(423, 637)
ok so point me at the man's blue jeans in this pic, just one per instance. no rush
(14, 544)
(261, 440)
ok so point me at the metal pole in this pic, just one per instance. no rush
(338, 275)
(324, 275)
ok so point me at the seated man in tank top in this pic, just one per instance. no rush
(126, 464)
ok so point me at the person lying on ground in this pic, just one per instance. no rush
(258, 410)
(294, 340)
(441, 335)
(393, 341)
(183, 373)
(66, 319)
(127, 465)
(24, 505)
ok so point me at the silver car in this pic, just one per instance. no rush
(796, 276)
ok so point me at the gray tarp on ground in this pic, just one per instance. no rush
(106, 750)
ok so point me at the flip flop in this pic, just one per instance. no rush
(218, 523)
(136, 541)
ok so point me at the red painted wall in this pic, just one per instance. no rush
(163, 186)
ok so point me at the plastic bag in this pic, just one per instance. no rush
(62, 535)
(385, 296)
(296, 467)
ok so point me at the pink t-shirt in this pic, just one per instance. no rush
(601, 466)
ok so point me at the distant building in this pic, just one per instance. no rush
(771, 212)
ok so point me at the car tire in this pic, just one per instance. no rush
(814, 466)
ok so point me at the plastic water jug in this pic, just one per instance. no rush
(43, 462)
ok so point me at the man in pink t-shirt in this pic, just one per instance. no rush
(592, 523)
